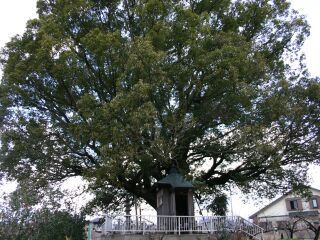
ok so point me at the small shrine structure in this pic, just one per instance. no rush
(174, 195)
(175, 216)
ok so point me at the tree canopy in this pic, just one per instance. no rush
(117, 91)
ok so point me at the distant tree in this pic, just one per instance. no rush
(62, 225)
(300, 223)
(219, 205)
(117, 91)
(290, 227)
(312, 224)
(16, 212)
(23, 216)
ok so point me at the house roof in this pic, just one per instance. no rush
(275, 201)
(175, 180)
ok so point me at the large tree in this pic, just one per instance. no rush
(116, 91)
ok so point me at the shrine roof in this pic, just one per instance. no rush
(175, 180)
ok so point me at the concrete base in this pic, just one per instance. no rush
(160, 237)
(169, 237)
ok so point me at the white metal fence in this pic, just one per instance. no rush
(180, 224)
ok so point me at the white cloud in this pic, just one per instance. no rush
(310, 8)
(13, 17)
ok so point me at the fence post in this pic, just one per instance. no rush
(179, 225)
(143, 228)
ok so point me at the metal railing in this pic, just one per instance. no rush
(180, 224)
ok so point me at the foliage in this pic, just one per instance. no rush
(224, 235)
(59, 225)
(219, 205)
(44, 225)
(21, 220)
(116, 91)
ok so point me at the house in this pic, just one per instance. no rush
(290, 216)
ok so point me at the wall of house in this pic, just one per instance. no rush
(278, 210)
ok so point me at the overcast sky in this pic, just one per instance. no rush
(15, 13)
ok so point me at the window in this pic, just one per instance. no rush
(314, 203)
(293, 204)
